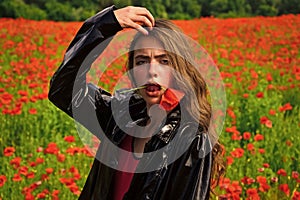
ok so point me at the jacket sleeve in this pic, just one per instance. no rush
(68, 88)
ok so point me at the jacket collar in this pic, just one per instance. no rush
(138, 114)
(167, 131)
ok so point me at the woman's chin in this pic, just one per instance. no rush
(152, 100)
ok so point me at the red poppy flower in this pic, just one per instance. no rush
(17, 178)
(51, 148)
(67, 181)
(234, 189)
(250, 147)
(44, 177)
(15, 162)
(22, 93)
(261, 151)
(274, 179)
(30, 175)
(296, 195)
(245, 95)
(253, 84)
(269, 77)
(237, 153)
(39, 149)
(261, 179)
(284, 188)
(236, 136)
(69, 138)
(170, 99)
(39, 160)
(264, 119)
(289, 143)
(252, 193)
(269, 124)
(266, 165)
(60, 157)
(272, 112)
(49, 170)
(41, 195)
(260, 95)
(73, 150)
(232, 129)
(9, 151)
(230, 112)
(246, 135)
(229, 160)
(264, 187)
(29, 196)
(224, 182)
(258, 137)
(247, 180)
(270, 87)
(23, 170)
(285, 107)
(75, 173)
(54, 194)
(32, 111)
(281, 172)
(74, 189)
(261, 169)
(2, 180)
(24, 99)
(295, 175)
(86, 151)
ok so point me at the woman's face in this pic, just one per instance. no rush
(151, 68)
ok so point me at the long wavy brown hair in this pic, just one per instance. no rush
(189, 80)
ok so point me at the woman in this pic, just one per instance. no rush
(163, 121)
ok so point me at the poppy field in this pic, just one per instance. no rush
(42, 156)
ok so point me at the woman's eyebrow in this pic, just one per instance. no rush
(161, 56)
(142, 57)
(148, 57)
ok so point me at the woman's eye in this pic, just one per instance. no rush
(140, 62)
(164, 61)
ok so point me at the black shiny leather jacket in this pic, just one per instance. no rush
(187, 177)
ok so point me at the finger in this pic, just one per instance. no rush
(144, 21)
(138, 27)
(142, 30)
(146, 13)
(150, 17)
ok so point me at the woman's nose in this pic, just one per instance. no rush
(153, 68)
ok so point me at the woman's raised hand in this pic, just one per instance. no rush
(135, 17)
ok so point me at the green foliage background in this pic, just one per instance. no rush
(78, 10)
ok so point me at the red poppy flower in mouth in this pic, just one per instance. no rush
(170, 99)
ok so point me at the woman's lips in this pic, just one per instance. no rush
(153, 90)
(152, 87)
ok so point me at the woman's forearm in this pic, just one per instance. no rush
(69, 81)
